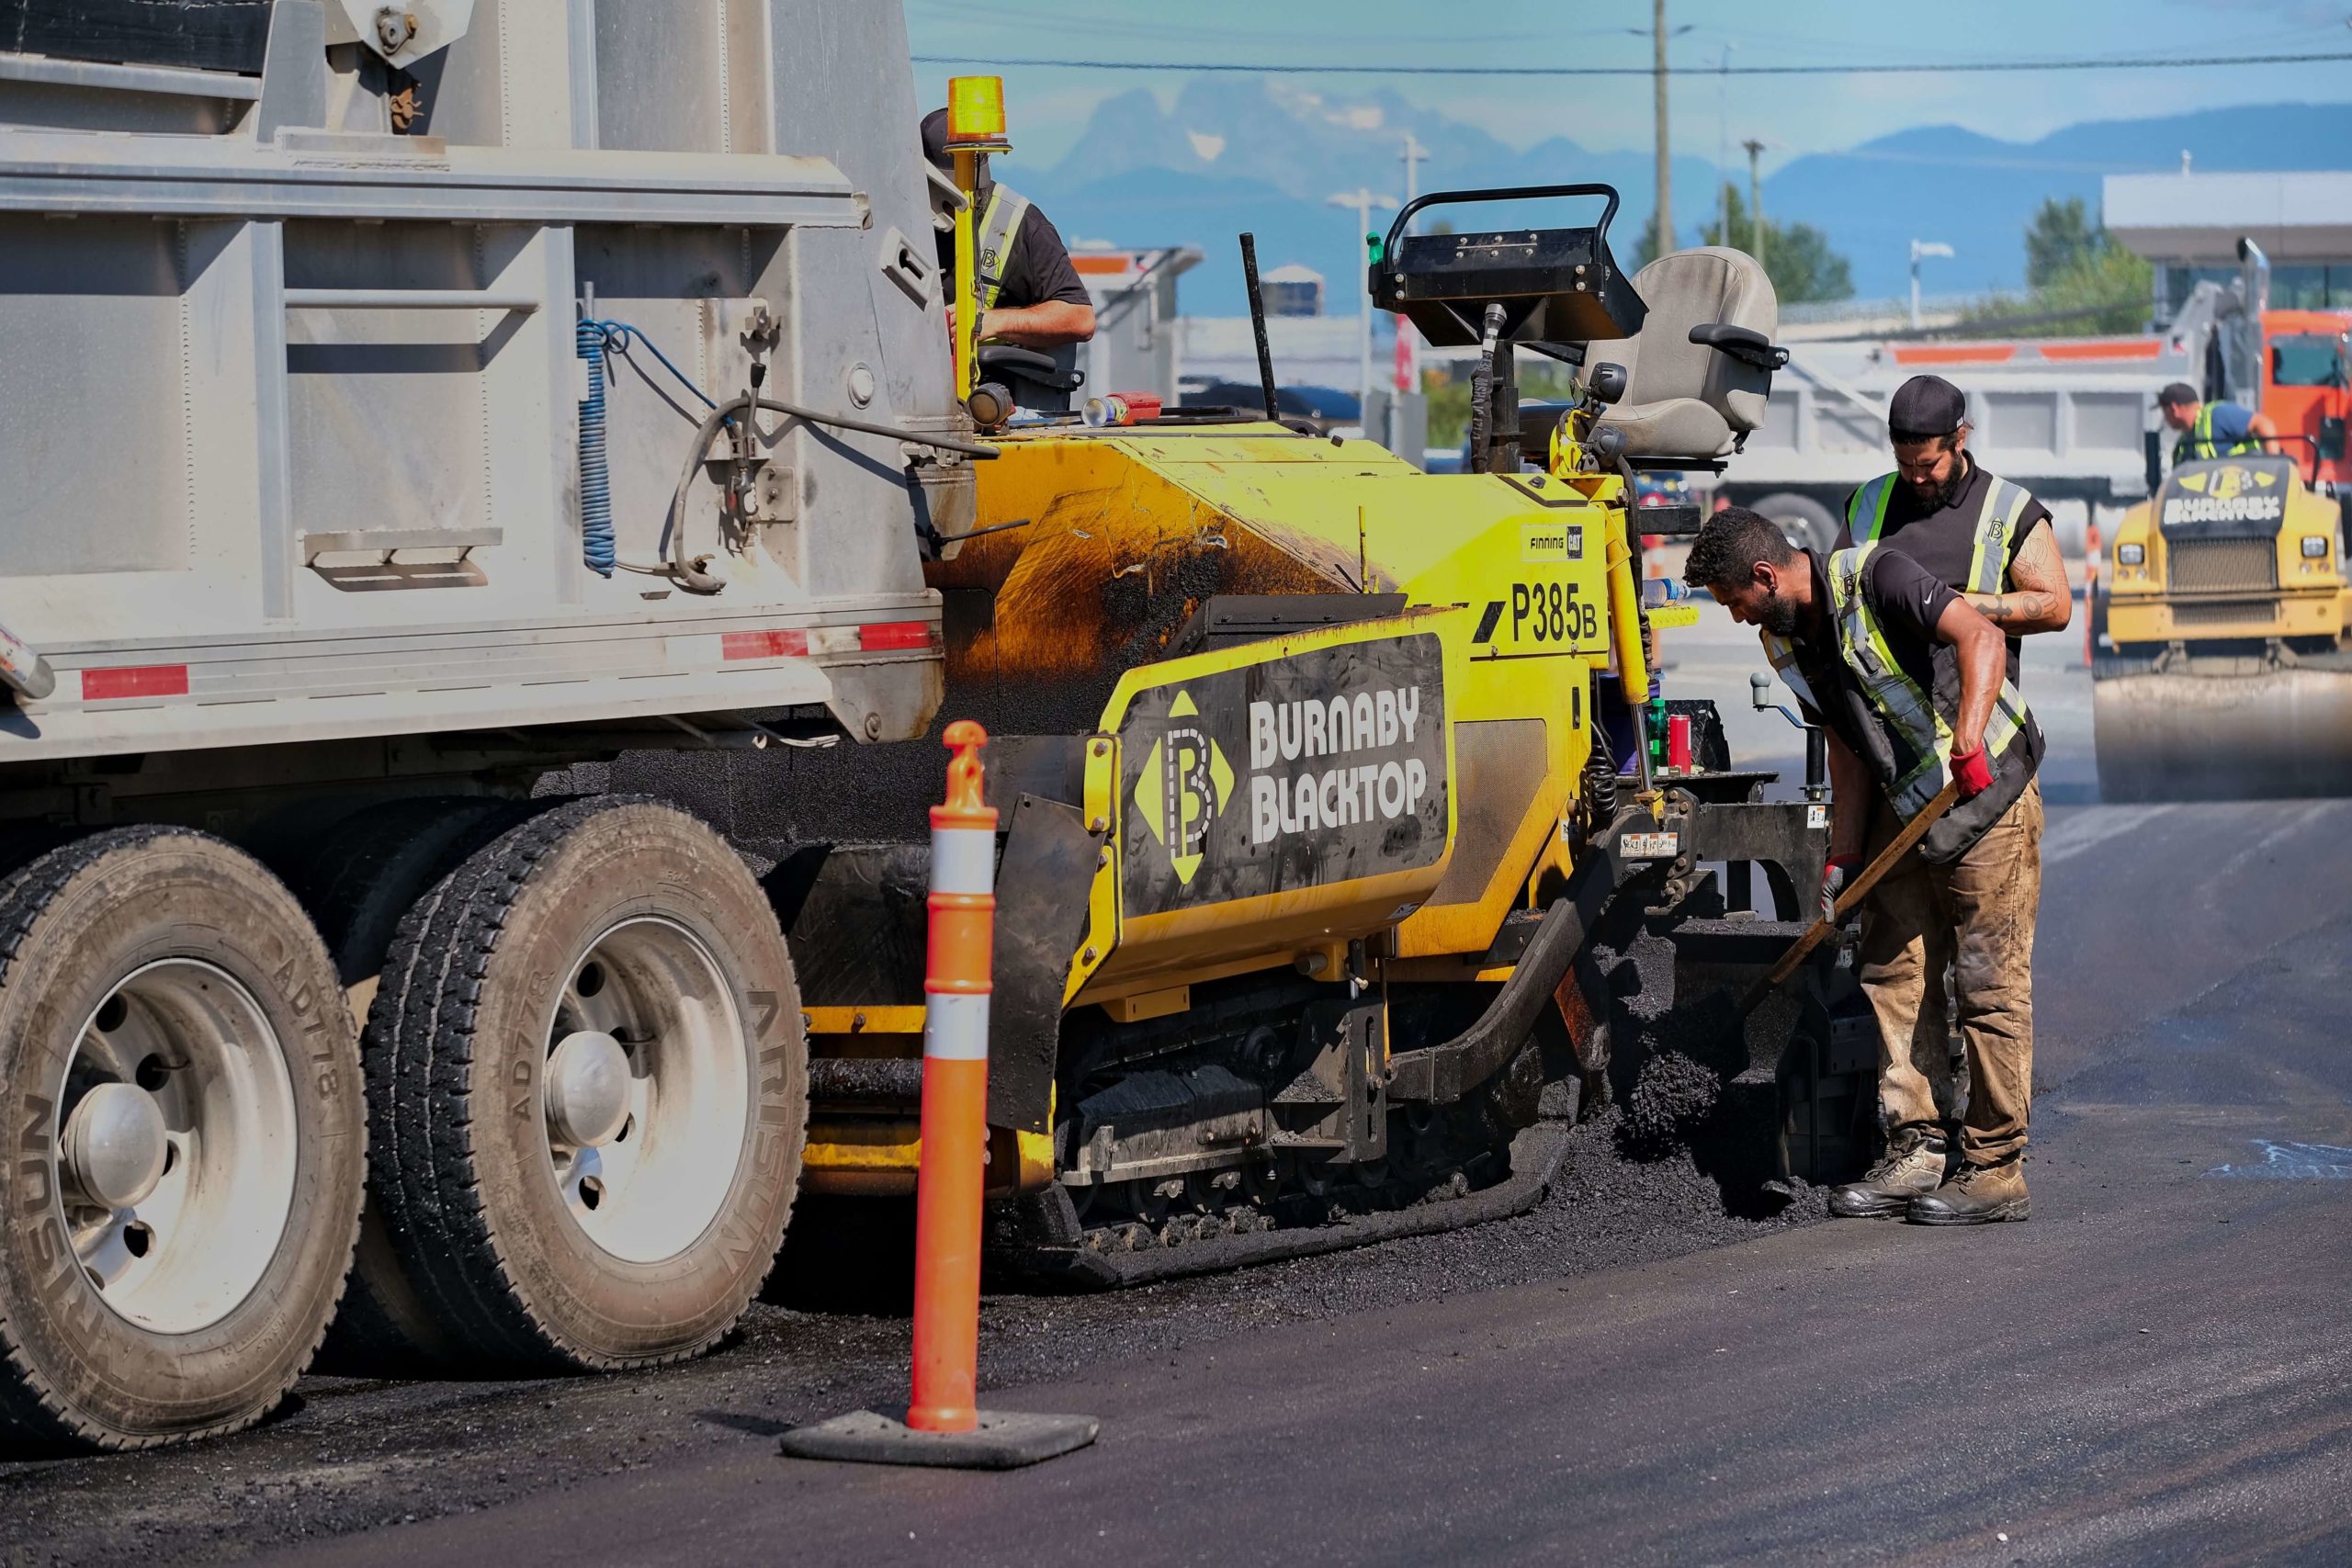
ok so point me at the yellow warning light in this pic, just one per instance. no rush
(975, 113)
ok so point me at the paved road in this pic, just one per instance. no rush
(2155, 1369)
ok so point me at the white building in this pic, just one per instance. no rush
(2188, 225)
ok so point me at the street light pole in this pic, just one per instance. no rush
(1922, 248)
(1360, 201)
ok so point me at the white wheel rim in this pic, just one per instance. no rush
(658, 1184)
(195, 1246)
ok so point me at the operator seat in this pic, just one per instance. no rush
(1698, 371)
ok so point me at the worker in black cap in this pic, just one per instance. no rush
(1031, 296)
(1991, 542)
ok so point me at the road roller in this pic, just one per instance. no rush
(2221, 664)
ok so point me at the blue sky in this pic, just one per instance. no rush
(1050, 107)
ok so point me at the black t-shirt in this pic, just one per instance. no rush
(1040, 268)
(1941, 536)
(1908, 600)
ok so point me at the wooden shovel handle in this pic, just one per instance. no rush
(1853, 893)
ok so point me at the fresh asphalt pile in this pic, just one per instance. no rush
(354, 1454)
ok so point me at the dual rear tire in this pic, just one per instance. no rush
(579, 1121)
(588, 1091)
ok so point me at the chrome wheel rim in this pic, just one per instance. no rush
(646, 1091)
(175, 1148)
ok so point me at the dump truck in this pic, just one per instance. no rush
(491, 529)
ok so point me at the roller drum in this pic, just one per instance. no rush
(2172, 736)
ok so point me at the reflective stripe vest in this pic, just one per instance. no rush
(1914, 759)
(992, 246)
(2199, 445)
(1996, 526)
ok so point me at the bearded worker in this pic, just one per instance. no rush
(1910, 684)
(1991, 542)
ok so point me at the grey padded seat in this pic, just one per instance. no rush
(1682, 399)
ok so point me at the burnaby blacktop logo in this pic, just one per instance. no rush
(2226, 495)
(1186, 782)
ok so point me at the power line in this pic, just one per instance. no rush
(1907, 69)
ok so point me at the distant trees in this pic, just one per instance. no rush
(2079, 282)
(1796, 256)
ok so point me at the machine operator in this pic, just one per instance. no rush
(2213, 430)
(1908, 679)
(1030, 294)
(1991, 542)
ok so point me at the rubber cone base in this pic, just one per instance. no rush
(1005, 1439)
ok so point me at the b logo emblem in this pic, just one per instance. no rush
(1186, 782)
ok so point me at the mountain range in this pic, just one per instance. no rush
(1262, 154)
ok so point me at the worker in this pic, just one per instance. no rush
(2213, 430)
(1991, 542)
(1030, 294)
(1986, 539)
(1905, 677)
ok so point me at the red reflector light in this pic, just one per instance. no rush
(883, 637)
(135, 681)
(763, 645)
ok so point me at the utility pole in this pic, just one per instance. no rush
(1408, 348)
(1665, 163)
(1755, 204)
(1659, 35)
(1360, 201)
(1723, 145)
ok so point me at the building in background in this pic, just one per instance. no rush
(2188, 225)
(1293, 290)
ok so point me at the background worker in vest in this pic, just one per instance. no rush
(2213, 430)
(1030, 294)
(1991, 543)
(1909, 682)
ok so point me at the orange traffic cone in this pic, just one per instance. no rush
(944, 1424)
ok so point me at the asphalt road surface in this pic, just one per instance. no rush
(2155, 1369)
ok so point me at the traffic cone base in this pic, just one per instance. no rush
(1003, 1440)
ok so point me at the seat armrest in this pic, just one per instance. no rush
(1743, 343)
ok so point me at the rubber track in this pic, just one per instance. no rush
(30, 1409)
(419, 1104)
(1535, 1156)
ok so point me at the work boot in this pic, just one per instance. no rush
(1976, 1195)
(1910, 1168)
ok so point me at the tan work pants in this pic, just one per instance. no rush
(1977, 915)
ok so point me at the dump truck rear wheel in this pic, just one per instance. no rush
(590, 1090)
(181, 1091)
(358, 880)
(1809, 525)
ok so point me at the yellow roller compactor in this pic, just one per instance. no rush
(1319, 862)
(2221, 667)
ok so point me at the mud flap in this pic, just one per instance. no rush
(1041, 885)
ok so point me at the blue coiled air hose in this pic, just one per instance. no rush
(596, 548)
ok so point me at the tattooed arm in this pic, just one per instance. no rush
(2039, 598)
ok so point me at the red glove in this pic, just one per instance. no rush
(1834, 877)
(1973, 772)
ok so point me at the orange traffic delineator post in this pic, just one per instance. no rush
(2091, 563)
(945, 1424)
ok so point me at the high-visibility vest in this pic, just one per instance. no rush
(1915, 762)
(1996, 526)
(2199, 445)
(993, 247)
